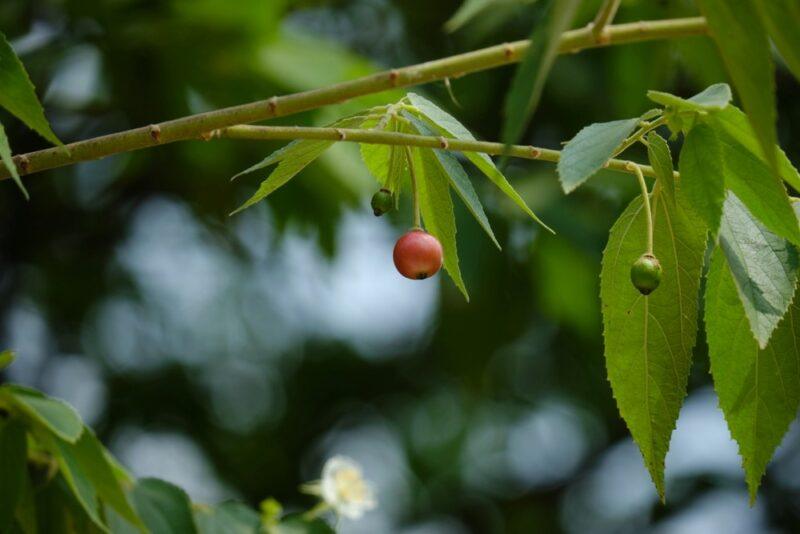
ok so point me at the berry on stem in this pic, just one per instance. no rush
(382, 202)
(417, 254)
(646, 273)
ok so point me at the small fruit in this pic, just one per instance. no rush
(646, 274)
(382, 202)
(417, 254)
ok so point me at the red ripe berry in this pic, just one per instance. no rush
(417, 255)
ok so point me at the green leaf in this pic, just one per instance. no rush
(459, 180)
(759, 389)
(528, 83)
(297, 524)
(649, 339)
(77, 479)
(291, 159)
(5, 157)
(661, 160)
(703, 174)
(13, 463)
(94, 465)
(18, 95)
(470, 9)
(164, 508)
(714, 97)
(436, 207)
(57, 416)
(743, 44)
(226, 518)
(782, 19)
(448, 126)
(764, 268)
(6, 358)
(590, 149)
(387, 163)
(759, 189)
(59, 513)
(732, 125)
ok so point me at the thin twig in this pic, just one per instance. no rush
(605, 15)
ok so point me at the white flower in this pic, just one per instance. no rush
(344, 489)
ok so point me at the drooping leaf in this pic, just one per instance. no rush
(163, 507)
(735, 27)
(77, 479)
(56, 415)
(782, 19)
(703, 174)
(448, 126)
(732, 124)
(18, 95)
(387, 163)
(93, 463)
(764, 267)
(529, 80)
(291, 159)
(649, 339)
(436, 207)
(661, 160)
(759, 189)
(590, 149)
(459, 180)
(226, 518)
(714, 97)
(13, 463)
(5, 157)
(6, 358)
(59, 512)
(759, 389)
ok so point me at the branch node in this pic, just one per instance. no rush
(24, 163)
(394, 76)
(342, 134)
(155, 132)
(508, 51)
(273, 105)
(535, 152)
(213, 134)
(443, 143)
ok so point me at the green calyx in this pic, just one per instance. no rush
(646, 274)
(382, 202)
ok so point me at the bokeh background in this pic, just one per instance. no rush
(233, 355)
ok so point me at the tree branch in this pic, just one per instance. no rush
(378, 137)
(196, 126)
(603, 18)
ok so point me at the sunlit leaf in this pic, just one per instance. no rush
(18, 94)
(759, 189)
(459, 180)
(735, 27)
(782, 20)
(714, 97)
(703, 174)
(13, 461)
(759, 389)
(291, 159)
(764, 267)
(649, 339)
(529, 80)
(78, 480)
(448, 126)
(436, 207)
(732, 126)
(590, 149)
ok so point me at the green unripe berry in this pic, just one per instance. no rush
(646, 274)
(382, 202)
